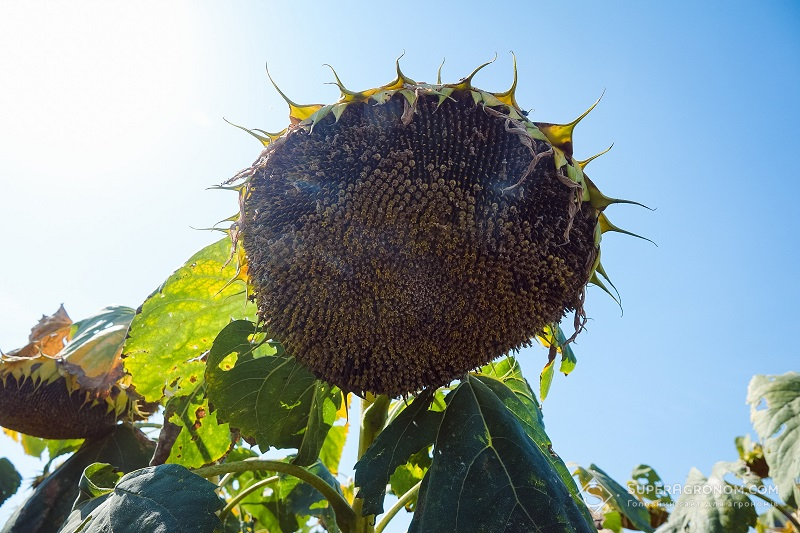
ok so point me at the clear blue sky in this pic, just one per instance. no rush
(112, 129)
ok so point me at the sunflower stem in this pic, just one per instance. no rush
(374, 412)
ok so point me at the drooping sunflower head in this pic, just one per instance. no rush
(407, 234)
(68, 381)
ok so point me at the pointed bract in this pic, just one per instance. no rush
(606, 225)
(466, 83)
(509, 97)
(560, 135)
(297, 112)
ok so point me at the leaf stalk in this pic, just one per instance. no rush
(404, 499)
(246, 492)
(345, 516)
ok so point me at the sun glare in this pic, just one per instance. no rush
(90, 78)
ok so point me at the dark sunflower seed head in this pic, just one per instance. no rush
(403, 245)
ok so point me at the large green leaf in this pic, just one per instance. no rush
(202, 439)
(710, 506)
(414, 429)
(594, 479)
(267, 394)
(159, 498)
(488, 475)
(10, 479)
(778, 426)
(178, 322)
(521, 402)
(125, 447)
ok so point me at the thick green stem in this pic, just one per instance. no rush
(374, 411)
(404, 499)
(786, 510)
(345, 517)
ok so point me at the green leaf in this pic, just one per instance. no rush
(252, 507)
(709, 506)
(489, 475)
(105, 318)
(97, 479)
(10, 479)
(414, 429)
(321, 415)
(57, 448)
(778, 427)
(568, 359)
(286, 504)
(508, 371)
(93, 330)
(546, 379)
(616, 496)
(267, 394)
(258, 506)
(522, 404)
(613, 521)
(647, 485)
(36, 446)
(178, 322)
(33, 446)
(92, 353)
(304, 501)
(554, 336)
(202, 439)
(332, 448)
(46, 509)
(160, 498)
(408, 475)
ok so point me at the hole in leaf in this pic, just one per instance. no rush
(228, 362)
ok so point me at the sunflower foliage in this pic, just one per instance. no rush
(392, 251)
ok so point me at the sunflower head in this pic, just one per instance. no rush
(409, 233)
(68, 381)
